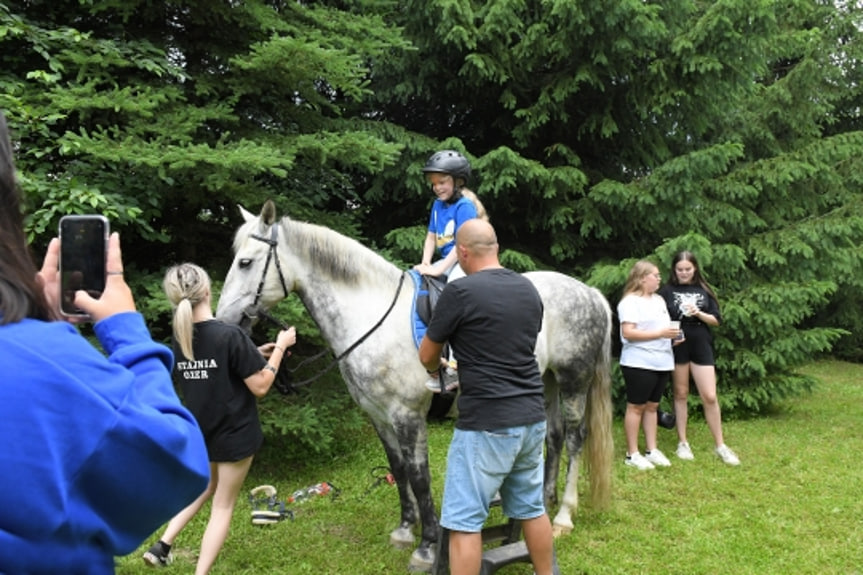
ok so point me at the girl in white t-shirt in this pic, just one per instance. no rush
(646, 360)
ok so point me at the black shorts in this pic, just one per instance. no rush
(231, 445)
(697, 348)
(644, 385)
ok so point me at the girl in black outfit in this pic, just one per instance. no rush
(221, 374)
(691, 301)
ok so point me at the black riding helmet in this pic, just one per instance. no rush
(452, 163)
(449, 162)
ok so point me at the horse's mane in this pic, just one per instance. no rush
(338, 257)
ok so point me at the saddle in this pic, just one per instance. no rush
(428, 290)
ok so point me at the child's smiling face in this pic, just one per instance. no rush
(442, 185)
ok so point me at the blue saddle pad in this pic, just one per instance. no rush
(417, 324)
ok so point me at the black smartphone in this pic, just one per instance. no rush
(83, 257)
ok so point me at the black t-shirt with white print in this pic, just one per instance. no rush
(677, 297)
(214, 389)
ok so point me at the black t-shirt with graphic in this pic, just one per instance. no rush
(677, 297)
(214, 389)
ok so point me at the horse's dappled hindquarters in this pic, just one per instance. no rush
(354, 295)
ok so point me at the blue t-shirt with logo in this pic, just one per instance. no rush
(446, 219)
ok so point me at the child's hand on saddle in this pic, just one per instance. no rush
(426, 269)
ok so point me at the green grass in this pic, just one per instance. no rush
(792, 506)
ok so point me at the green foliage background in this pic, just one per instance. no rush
(599, 132)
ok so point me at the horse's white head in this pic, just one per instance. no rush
(257, 279)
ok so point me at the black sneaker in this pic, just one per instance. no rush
(158, 555)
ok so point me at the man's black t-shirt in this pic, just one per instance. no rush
(491, 319)
(214, 389)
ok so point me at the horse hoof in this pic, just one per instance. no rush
(560, 530)
(402, 538)
(422, 560)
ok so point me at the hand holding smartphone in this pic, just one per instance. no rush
(83, 259)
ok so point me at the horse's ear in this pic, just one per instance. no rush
(247, 216)
(268, 213)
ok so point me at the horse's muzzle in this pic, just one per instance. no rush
(250, 315)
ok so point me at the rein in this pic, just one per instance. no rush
(251, 312)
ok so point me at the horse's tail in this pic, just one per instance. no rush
(599, 449)
(480, 209)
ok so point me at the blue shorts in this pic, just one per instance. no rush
(481, 463)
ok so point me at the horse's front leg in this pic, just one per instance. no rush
(412, 435)
(402, 536)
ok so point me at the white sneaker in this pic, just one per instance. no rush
(657, 458)
(726, 455)
(639, 461)
(450, 379)
(684, 452)
(433, 384)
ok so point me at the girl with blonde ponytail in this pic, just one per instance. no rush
(186, 286)
(221, 373)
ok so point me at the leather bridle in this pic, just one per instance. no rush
(252, 311)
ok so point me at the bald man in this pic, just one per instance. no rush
(491, 319)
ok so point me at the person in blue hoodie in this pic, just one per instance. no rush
(90, 439)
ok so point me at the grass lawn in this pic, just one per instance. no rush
(793, 506)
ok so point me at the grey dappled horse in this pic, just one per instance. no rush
(362, 305)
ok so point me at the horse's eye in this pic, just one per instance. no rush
(245, 262)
